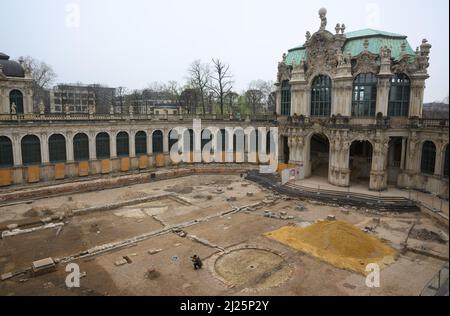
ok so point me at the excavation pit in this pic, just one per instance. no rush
(252, 268)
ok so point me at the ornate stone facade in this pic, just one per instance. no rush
(342, 57)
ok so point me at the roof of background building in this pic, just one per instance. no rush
(11, 68)
(166, 105)
(355, 45)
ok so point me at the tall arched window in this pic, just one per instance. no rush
(31, 150)
(102, 145)
(206, 138)
(122, 144)
(285, 98)
(157, 142)
(446, 162)
(173, 138)
(140, 143)
(321, 96)
(81, 147)
(428, 158)
(6, 152)
(16, 97)
(364, 95)
(57, 148)
(399, 95)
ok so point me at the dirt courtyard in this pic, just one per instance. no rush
(221, 218)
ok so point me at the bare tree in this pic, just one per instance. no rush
(121, 93)
(254, 98)
(221, 81)
(199, 79)
(189, 98)
(43, 76)
(267, 89)
(232, 99)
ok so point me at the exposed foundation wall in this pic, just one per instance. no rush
(22, 175)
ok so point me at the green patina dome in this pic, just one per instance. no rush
(354, 45)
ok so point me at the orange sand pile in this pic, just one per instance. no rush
(341, 244)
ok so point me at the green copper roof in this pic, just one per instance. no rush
(296, 56)
(371, 32)
(355, 45)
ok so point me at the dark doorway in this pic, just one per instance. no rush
(320, 155)
(360, 161)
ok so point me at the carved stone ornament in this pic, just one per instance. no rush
(403, 65)
(321, 51)
(366, 62)
(284, 72)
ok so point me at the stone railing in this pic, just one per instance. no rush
(428, 123)
(338, 122)
(346, 122)
(262, 117)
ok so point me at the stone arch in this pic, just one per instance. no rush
(102, 145)
(157, 141)
(6, 152)
(16, 97)
(31, 149)
(122, 144)
(140, 143)
(446, 162)
(317, 153)
(57, 148)
(360, 159)
(428, 153)
(80, 143)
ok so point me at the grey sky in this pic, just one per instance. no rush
(133, 43)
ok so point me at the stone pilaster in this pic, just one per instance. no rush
(378, 174)
(416, 95)
(44, 148)
(17, 150)
(132, 144)
(92, 147)
(69, 147)
(149, 142)
(113, 145)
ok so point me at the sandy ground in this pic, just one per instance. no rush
(265, 267)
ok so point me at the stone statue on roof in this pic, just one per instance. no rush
(323, 19)
(41, 107)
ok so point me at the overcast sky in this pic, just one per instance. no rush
(133, 43)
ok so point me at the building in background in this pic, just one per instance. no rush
(16, 94)
(350, 108)
(79, 98)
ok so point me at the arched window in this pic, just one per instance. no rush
(206, 138)
(173, 138)
(399, 96)
(428, 158)
(157, 142)
(140, 143)
(446, 162)
(16, 97)
(81, 147)
(364, 95)
(321, 96)
(31, 150)
(285, 98)
(122, 144)
(102, 145)
(6, 152)
(57, 148)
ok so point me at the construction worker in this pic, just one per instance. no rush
(196, 262)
